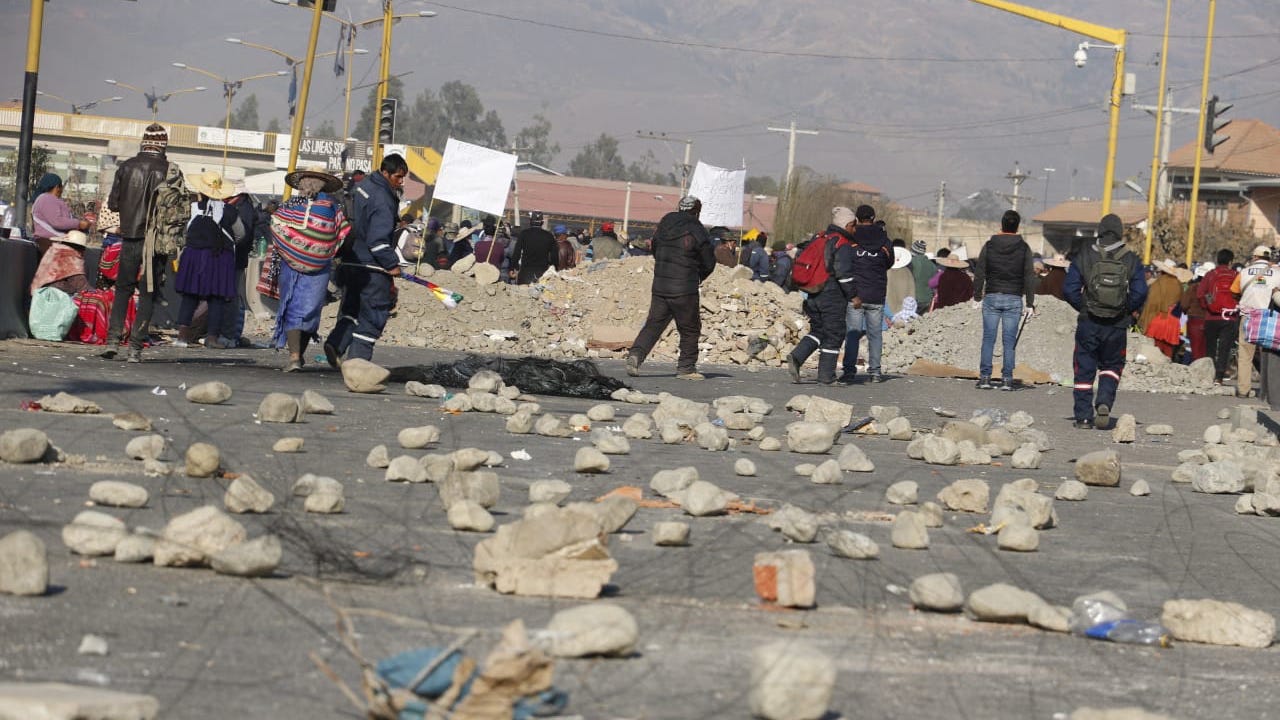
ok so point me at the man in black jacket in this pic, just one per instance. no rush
(132, 192)
(535, 251)
(872, 258)
(682, 259)
(369, 262)
(826, 308)
(1004, 275)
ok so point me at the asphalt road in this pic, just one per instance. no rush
(210, 646)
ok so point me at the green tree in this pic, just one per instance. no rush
(535, 142)
(600, 159)
(645, 170)
(395, 89)
(761, 185)
(463, 117)
(274, 126)
(244, 117)
(325, 130)
(805, 205)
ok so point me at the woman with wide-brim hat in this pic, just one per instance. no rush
(306, 232)
(954, 284)
(1054, 278)
(62, 265)
(207, 264)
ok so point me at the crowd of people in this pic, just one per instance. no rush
(351, 237)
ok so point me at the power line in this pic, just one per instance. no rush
(733, 48)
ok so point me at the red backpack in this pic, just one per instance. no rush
(1219, 298)
(809, 272)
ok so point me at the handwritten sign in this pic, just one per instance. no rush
(721, 193)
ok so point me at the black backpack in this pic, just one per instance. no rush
(1106, 284)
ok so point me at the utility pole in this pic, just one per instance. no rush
(1017, 177)
(685, 168)
(1163, 186)
(942, 206)
(791, 145)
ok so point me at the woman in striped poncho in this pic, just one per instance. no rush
(307, 232)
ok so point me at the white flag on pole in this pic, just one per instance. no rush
(720, 191)
(475, 177)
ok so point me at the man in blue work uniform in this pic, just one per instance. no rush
(1106, 284)
(826, 308)
(369, 262)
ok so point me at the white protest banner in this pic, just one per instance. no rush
(721, 192)
(247, 139)
(475, 177)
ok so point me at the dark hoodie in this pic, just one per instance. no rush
(1110, 240)
(872, 258)
(682, 255)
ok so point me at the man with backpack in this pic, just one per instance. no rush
(682, 259)
(134, 196)
(1003, 277)
(824, 270)
(872, 258)
(1107, 286)
(1221, 325)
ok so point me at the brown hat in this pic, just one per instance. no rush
(1057, 261)
(331, 183)
(155, 136)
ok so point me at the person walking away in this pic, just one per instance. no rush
(872, 258)
(1055, 276)
(1255, 283)
(1003, 277)
(954, 285)
(307, 232)
(207, 265)
(566, 255)
(51, 216)
(901, 283)
(826, 306)
(923, 270)
(606, 245)
(232, 330)
(682, 259)
(133, 195)
(780, 264)
(369, 262)
(1221, 322)
(1107, 286)
(1195, 312)
(536, 251)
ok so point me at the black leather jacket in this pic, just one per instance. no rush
(135, 183)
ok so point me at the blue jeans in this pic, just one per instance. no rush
(999, 309)
(867, 320)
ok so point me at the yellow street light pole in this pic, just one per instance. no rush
(1155, 152)
(1116, 37)
(295, 141)
(1204, 100)
(229, 88)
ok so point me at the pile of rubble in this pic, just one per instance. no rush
(591, 311)
(953, 336)
(596, 310)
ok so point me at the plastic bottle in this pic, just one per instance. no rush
(1134, 632)
(1100, 620)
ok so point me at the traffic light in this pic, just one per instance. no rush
(329, 5)
(387, 121)
(1212, 126)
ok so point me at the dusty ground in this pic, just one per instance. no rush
(212, 646)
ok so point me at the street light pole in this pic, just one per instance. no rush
(229, 88)
(27, 130)
(1155, 152)
(1048, 173)
(1116, 37)
(154, 98)
(296, 140)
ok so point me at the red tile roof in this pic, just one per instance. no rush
(1253, 149)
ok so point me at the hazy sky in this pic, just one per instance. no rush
(904, 92)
